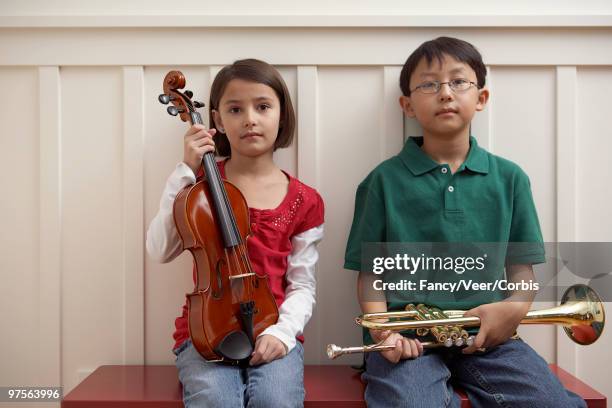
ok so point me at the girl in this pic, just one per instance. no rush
(252, 114)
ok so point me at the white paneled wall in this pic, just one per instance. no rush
(86, 149)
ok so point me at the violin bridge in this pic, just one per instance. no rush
(243, 275)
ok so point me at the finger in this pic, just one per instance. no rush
(419, 347)
(204, 142)
(255, 358)
(260, 348)
(263, 346)
(472, 312)
(206, 148)
(391, 338)
(200, 150)
(267, 356)
(393, 354)
(194, 129)
(274, 353)
(414, 350)
(478, 343)
(200, 135)
(409, 349)
(399, 350)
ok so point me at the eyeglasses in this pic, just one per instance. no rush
(456, 85)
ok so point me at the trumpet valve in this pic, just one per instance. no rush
(441, 333)
(455, 333)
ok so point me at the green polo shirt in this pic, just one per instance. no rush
(411, 198)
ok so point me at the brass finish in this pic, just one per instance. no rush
(581, 313)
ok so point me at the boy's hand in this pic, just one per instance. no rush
(404, 348)
(197, 142)
(267, 348)
(498, 322)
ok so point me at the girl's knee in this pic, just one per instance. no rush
(282, 397)
(276, 391)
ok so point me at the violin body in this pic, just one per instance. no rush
(213, 310)
(231, 304)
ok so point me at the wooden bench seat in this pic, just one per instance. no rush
(326, 387)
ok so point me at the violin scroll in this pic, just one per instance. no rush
(181, 101)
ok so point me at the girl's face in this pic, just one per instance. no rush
(249, 114)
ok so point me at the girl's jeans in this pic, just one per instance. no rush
(279, 383)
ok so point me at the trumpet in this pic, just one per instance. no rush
(581, 313)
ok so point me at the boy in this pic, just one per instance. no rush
(444, 188)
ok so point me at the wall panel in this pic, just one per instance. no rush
(92, 190)
(19, 218)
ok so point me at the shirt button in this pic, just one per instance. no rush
(451, 189)
(444, 170)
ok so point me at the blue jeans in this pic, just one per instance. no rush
(279, 383)
(509, 375)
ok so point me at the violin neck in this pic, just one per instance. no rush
(223, 210)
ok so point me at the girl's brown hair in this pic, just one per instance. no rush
(253, 70)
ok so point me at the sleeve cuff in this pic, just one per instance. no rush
(275, 331)
(182, 170)
(352, 265)
(526, 259)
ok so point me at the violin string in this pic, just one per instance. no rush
(224, 198)
(241, 259)
(230, 268)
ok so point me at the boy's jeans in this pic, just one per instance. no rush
(509, 375)
(279, 383)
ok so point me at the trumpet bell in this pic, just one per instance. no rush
(591, 327)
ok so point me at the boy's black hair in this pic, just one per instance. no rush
(460, 50)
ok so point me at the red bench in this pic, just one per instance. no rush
(326, 387)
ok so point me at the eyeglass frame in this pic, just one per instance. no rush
(418, 87)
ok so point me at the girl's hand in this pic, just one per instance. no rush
(197, 142)
(405, 348)
(267, 348)
(498, 322)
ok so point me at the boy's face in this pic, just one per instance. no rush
(447, 112)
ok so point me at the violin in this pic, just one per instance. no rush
(231, 304)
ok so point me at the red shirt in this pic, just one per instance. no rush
(270, 240)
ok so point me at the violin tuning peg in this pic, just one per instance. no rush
(189, 94)
(173, 110)
(163, 98)
(198, 104)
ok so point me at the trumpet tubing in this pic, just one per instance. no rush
(581, 313)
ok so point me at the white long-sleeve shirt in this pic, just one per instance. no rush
(164, 244)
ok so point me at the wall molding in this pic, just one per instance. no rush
(566, 129)
(133, 214)
(307, 20)
(50, 239)
(379, 46)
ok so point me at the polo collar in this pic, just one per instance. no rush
(418, 162)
